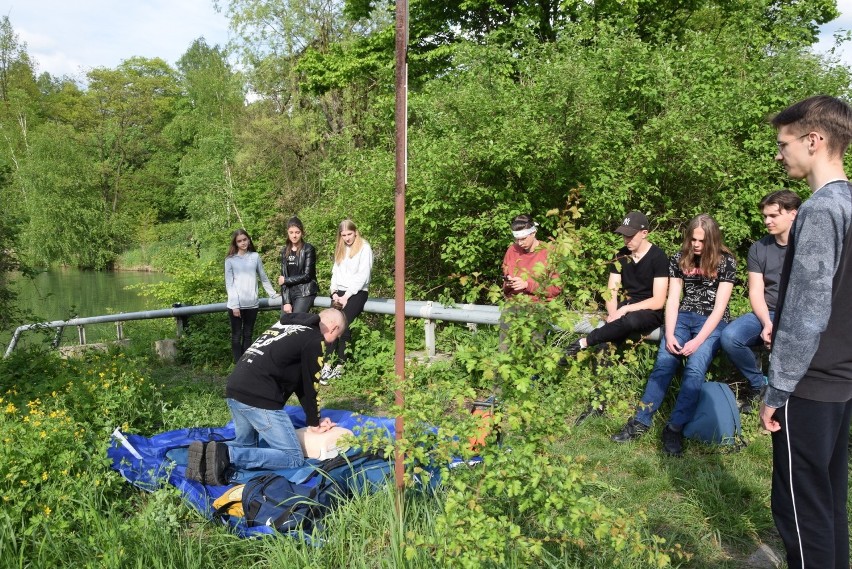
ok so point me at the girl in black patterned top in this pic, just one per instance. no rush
(705, 271)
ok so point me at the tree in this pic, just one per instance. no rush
(67, 219)
(203, 129)
(12, 51)
(133, 104)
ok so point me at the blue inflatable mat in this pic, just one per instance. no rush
(151, 462)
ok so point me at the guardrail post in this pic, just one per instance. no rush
(119, 330)
(429, 331)
(81, 334)
(180, 321)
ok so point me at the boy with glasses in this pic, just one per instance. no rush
(808, 403)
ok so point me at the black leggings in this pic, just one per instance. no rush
(302, 303)
(354, 307)
(242, 329)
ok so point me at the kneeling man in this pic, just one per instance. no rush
(284, 360)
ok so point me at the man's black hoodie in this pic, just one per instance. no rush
(285, 359)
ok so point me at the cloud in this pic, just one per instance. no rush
(827, 44)
(69, 38)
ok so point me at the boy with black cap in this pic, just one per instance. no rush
(638, 283)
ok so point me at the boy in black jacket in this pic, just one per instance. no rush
(284, 360)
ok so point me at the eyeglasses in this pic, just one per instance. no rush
(783, 145)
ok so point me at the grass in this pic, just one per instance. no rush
(714, 505)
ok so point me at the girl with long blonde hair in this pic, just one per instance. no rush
(350, 280)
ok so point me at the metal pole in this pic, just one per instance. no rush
(401, 119)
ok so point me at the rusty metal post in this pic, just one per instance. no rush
(401, 120)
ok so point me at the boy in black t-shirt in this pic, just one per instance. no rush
(638, 282)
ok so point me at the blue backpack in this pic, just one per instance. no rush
(273, 500)
(717, 418)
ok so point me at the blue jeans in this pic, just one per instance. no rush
(282, 449)
(738, 339)
(688, 326)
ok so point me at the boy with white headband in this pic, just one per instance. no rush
(525, 262)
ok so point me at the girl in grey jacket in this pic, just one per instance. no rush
(242, 269)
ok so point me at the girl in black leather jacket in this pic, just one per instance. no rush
(298, 278)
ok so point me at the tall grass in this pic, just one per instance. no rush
(62, 505)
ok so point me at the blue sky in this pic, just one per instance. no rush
(69, 37)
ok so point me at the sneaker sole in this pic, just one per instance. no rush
(195, 465)
(218, 461)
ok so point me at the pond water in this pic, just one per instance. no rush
(59, 294)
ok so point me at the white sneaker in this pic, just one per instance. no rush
(328, 373)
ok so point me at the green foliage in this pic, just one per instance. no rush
(58, 175)
(56, 443)
(564, 496)
(531, 504)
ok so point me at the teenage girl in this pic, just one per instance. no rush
(242, 269)
(350, 278)
(298, 278)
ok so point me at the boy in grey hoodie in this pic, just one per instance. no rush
(808, 403)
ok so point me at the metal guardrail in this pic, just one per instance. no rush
(427, 310)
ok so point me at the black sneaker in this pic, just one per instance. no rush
(217, 462)
(631, 431)
(672, 442)
(208, 462)
(751, 400)
(572, 350)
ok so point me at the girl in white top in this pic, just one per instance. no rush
(350, 279)
(243, 267)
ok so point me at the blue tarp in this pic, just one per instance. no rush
(163, 459)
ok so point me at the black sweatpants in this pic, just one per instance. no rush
(809, 483)
(641, 321)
